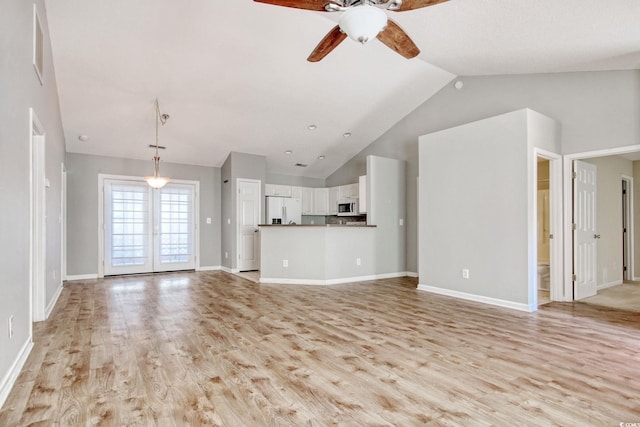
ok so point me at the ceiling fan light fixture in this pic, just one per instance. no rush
(363, 23)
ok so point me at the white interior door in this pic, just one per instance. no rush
(584, 235)
(148, 230)
(248, 218)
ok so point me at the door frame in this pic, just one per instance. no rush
(568, 207)
(630, 252)
(234, 264)
(196, 217)
(37, 215)
(555, 224)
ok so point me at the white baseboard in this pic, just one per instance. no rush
(12, 375)
(230, 270)
(609, 285)
(478, 298)
(82, 277)
(339, 281)
(210, 268)
(412, 274)
(53, 302)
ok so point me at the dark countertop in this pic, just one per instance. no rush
(317, 225)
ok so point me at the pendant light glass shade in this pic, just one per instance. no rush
(363, 23)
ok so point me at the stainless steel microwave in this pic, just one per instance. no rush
(348, 207)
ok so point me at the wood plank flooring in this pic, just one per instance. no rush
(214, 349)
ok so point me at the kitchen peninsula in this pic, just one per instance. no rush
(317, 254)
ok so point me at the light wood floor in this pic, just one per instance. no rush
(211, 348)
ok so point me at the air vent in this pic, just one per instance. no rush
(160, 147)
(301, 165)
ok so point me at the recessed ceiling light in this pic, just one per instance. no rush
(288, 152)
(459, 84)
(312, 127)
(83, 138)
(346, 134)
(321, 157)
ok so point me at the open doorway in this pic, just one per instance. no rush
(548, 219)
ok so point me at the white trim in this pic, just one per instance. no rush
(209, 268)
(321, 282)
(479, 298)
(630, 231)
(73, 277)
(609, 285)
(568, 208)
(37, 220)
(53, 301)
(63, 222)
(12, 375)
(411, 274)
(230, 270)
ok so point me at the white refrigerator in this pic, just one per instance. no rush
(283, 210)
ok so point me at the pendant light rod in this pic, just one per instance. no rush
(157, 181)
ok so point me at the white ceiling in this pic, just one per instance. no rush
(233, 74)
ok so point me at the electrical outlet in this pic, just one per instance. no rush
(285, 263)
(401, 222)
(358, 261)
(55, 275)
(11, 326)
(465, 273)
(208, 220)
(229, 221)
(226, 255)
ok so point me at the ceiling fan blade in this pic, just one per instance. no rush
(328, 43)
(298, 4)
(396, 39)
(417, 4)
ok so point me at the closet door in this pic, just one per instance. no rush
(127, 227)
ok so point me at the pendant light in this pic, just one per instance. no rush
(156, 181)
(363, 23)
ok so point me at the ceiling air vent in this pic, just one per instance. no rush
(301, 165)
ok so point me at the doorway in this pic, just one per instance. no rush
(147, 230)
(248, 216)
(627, 228)
(548, 220)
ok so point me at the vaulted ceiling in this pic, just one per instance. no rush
(233, 74)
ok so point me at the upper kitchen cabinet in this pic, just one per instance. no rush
(296, 192)
(277, 190)
(333, 200)
(307, 201)
(321, 201)
(349, 191)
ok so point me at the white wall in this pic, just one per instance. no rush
(477, 195)
(609, 217)
(21, 90)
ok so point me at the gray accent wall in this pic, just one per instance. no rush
(596, 110)
(20, 90)
(83, 196)
(476, 207)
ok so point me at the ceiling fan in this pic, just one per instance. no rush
(362, 21)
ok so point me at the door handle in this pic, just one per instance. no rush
(596, 236)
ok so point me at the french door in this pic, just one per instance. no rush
(147, 230)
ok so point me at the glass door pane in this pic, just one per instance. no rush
(175, 249)
(127, 234)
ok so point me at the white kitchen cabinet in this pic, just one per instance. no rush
(362, 193)
(296, 192)
(321, 201)
(333, 200)
(349, 191)
(307, 200)
(277, 190)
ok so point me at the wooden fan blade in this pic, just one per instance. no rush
(417, 4)
(328, 43)
(298, 4)
(396, 39)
